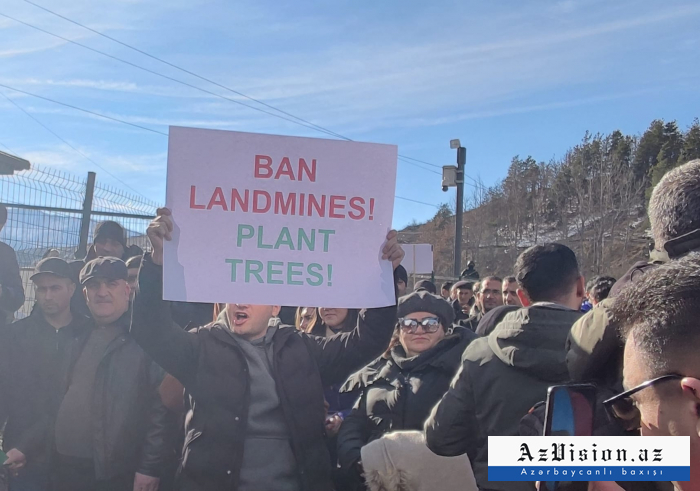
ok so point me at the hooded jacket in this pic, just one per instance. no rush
(502, 377)
(215, 373)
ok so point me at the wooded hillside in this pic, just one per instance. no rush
(593, 199)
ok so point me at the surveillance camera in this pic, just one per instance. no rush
(444, 189)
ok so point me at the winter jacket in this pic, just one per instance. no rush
(337, 403)
(397, 393)
(502, 377)
(211, 366)
(459, 315)
(594, 349)
(12, 297)
(34, 352)
(132, 428)
(489, 321)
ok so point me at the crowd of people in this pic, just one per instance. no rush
(106, 386)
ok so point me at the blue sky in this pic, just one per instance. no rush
(506, 77)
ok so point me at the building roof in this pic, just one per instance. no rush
(9, 164)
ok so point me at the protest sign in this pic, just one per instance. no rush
(278, 220)
(418, 259)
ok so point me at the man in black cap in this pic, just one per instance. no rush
(11, 289)
(110, 240)
(112, 430)
(463, 299)
(32, 351)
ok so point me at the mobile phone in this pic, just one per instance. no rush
(569, 412)
(3, 457)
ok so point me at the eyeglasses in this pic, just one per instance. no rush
(623, 408)
(429, 324)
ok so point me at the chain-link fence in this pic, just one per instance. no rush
(50, 209)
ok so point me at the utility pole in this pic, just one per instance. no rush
(453, 176)
(461, 162)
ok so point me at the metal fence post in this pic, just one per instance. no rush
(87, 211)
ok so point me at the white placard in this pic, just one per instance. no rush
(418, 259)
(278, 220)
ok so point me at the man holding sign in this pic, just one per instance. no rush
(256, 409)
(255, 222)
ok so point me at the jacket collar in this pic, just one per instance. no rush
(221, 330)
(440, 356)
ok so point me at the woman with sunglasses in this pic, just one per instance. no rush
(398, 391)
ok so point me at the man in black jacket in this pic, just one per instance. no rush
(256, 409)
(11, 289)
(32, 352)
(505, 374)
(111, 431)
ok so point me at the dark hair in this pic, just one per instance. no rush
(674, 207)
(599, 287)
(662, 309)
(400, 273)
(510, 279)
(547, 272)
(426, 285)
(446, 286)
(3, 215)
(490, 278)
(350, 322)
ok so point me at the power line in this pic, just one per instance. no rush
(416, 201)
(84, 110)
(184, 70)
(299, 120)
(401, 158)
(147, 70)
(36, 120)
(126, 123)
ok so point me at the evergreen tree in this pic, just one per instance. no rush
(691, 146)
(669, 155)
(648, 149)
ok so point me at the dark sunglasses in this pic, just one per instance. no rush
(429, 324)
(623, 408)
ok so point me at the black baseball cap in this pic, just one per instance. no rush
(55, 266)
(109, 268)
